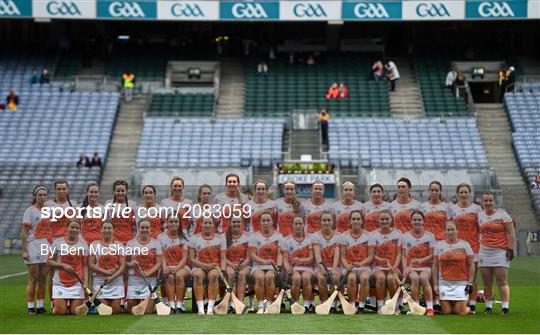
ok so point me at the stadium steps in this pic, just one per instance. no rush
(305, 142)
(497, 138)
(125, 141)
(406, 101)
(232, 89)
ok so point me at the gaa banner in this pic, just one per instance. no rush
(188, 10)
(15, 8)
(434, 10)
(64, 9)
(371, 10)
(127, 9)
(309, 10)
(510, 9)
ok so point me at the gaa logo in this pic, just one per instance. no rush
(66, 8)
(495, 9)
(370, 11)
(249, 11)
(186, 10)
(126, 9)
(309, 10)
(432, 10)
(8, 8)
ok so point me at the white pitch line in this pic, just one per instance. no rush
(13, 275)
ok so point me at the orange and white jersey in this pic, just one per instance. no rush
(180, 206)
(239, 248)
(144, 253)
(257, 210)
(286, 215)
(435, 218)
(39, 227)
(342, 213)
(493, 230)
(387, 246)
(68, 253)
(59, 227)
(107, 256)
(452, 259)
(91, 224)
(416, 247)
(313, 214)
(208, 250)
(123, 225)
(402, 213)
(328, 246)
(226, 206)
(466, 220)
(370, 212)
(155, 215)
(297, 249)
(172, 248)
(357, 248)
(266, 247)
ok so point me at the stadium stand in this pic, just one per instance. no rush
(523, 110)
(530, 87)
(438, 100)
(422, 143)
(184, 105)
(298, 86)
(16, 70)
(199, 142)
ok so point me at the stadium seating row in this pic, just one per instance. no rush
(406, 144)
(182, 105)
(199, 142)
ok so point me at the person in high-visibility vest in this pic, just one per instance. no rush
(128, 82)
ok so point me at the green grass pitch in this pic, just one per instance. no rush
(524, 316)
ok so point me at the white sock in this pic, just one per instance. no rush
(180, 304)
(429, 304)
(372, 300)
(472, 302)
(200, 306)
(505, 304)
(334, 303)
(437, 302)
(489, 304)
(261, 304)
(173, 304)
(380, 303)
(211, 305)
(361, 304)
(231, 304)
(31, 305)
(40, 303)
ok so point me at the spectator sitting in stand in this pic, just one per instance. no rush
(83, 161)
(343, 91)
(34, 79)
(96, 160)
(333, 92)
(12, 101)
(262, 69)
(45, 77)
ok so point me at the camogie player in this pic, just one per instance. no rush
(287, 208)
(227, 200)
(204, 200)
(261, 204)
(497, 243)
(417, 252)
(145, 260)
(325, 245)
(108, 263)
(174, 245)
(373, 207)
(436, 212)
(315, 206)
(237, 240)
(35, 233)
(61, 203)
(69, 255)
(263, 250)
(403, 206)
(387, 241)
(357, 252)
(124, 225)
(342, 209)
(92, 212)
(205, 253)
(151, 211)
(176, 201)
(453, 272)
(298, 260)
(465, 217)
